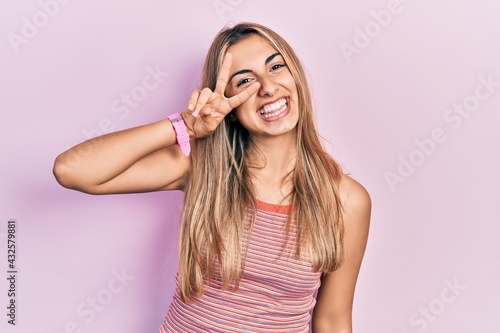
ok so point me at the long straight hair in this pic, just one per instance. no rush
(219, 191)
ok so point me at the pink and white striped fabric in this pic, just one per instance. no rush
(276, 294)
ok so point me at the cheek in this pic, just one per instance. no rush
(249, 104)
(292, 83)
(245, 112)
(242, 109)
(288, 82)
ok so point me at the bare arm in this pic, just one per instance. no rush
(140, 159)
(146, 158)
(333, 310)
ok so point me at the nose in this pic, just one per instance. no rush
(267, 87)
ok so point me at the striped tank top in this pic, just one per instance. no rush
(276, 294)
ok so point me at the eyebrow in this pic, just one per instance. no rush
(243, 71)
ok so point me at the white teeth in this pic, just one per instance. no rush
(269, 109)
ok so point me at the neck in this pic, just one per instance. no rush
(274, 154)
(272, 161)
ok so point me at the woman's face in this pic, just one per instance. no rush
(273, 110)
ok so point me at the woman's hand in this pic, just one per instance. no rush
(207, 108)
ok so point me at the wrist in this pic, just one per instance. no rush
(189, 130)
(181, 133)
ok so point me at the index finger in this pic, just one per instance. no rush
(223, 77)
(243, 96)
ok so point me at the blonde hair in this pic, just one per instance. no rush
(219, 191)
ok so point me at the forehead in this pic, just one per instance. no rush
(253, 49)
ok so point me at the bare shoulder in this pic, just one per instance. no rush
(333, 310)
(354, 197)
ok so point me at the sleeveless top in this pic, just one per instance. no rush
(276, 294)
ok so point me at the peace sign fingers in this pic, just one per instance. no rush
(222, 82)
(207, 108)
(223, 78)
(243, 96)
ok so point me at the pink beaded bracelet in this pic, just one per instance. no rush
(180, 133)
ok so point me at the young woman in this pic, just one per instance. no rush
(269, 218)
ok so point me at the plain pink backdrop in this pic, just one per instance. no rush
(385, 75)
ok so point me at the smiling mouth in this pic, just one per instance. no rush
(274, 109)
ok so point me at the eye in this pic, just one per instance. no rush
(242, 82)
(277, 66)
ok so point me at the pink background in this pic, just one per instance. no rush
(432, 262)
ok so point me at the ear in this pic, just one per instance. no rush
(232, 116)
